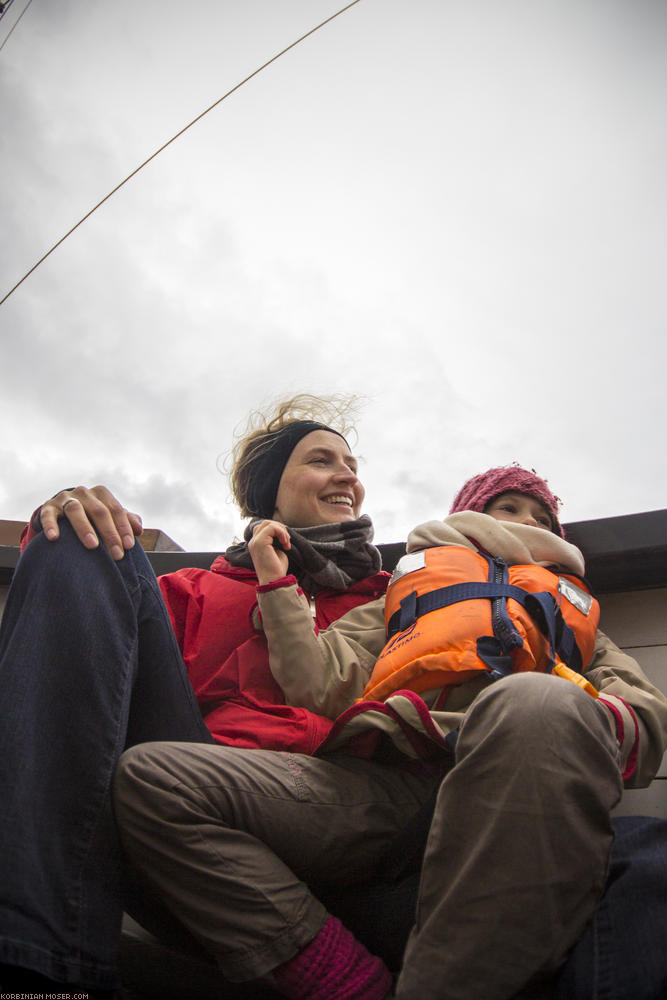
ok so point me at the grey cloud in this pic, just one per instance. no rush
(476, 243)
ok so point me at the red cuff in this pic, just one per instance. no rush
(284, 581)
(631, 762)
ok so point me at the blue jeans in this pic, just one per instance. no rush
(622, 954)
(88, 666)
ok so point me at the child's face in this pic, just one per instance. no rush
(520, 508)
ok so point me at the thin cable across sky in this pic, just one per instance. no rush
(15, 24)
(173, 139)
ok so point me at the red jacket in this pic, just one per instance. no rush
(215, 618)
(216, 621)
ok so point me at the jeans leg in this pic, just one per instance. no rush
(621, 955)
(86, 649)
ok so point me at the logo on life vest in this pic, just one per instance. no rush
(400, 639)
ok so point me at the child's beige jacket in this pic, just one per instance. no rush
(327, 672)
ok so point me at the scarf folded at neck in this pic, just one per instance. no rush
(326, 556)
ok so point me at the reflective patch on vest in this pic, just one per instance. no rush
(408, 564)
(577, 597)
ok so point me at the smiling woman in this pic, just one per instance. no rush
(263, 449)
(319, 483)
(318, 486)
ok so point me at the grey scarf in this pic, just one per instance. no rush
(326, 556)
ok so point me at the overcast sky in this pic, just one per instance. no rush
(456, 209)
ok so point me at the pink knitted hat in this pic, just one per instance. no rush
(479, 491)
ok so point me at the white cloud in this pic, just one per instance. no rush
(458, 210)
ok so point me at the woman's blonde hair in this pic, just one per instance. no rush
(256, 436)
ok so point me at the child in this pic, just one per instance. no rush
(500, 513)
(547, 615)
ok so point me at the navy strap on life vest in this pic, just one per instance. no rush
(544, 610)
(413, 606)
(541, 606)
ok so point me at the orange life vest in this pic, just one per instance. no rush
(451, 612)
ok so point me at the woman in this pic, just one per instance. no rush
(93, 658)
(517, 854)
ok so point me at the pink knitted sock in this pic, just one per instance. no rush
(334, 966)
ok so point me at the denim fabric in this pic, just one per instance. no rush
(88, 665)
(622, 954)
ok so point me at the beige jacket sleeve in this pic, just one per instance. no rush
(638, 707)
(323, 672)
(327, 672)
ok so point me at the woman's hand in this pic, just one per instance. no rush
(270, 562)
(95, 515)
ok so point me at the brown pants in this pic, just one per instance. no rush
(515, 863)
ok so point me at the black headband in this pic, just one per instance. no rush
(267, 468)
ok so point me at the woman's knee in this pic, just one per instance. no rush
(65, 561)
(160, 780)
(67, 545)
(63, 568)
(141, 781)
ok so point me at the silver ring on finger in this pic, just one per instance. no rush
(69, 500)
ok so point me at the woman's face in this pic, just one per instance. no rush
(319, 484)
(520, 507)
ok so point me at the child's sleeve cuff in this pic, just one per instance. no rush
(283, 581)
(627, 731)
